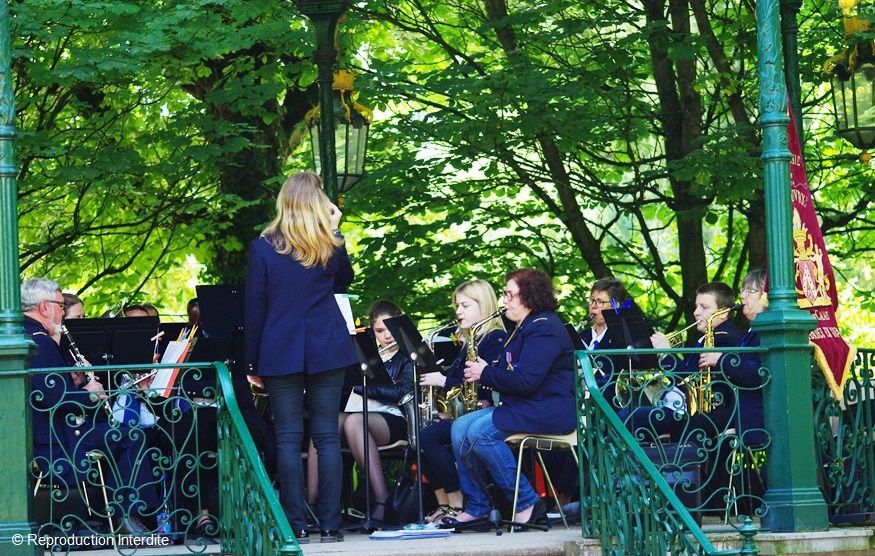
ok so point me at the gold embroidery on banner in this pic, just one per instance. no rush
(812, 284)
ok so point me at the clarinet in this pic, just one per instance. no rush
(80, 362)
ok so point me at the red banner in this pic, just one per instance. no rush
(815, 279)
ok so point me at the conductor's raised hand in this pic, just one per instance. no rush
(334, 215)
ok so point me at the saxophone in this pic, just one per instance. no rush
(468, 390)
(701, 396)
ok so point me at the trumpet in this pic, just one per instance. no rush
(468, 390)
(678, 337)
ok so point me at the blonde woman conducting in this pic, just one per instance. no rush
(297, 343)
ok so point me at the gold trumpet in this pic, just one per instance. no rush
(679, 337)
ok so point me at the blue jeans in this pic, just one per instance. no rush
(481, 452)
(287, 407)
(438, 462)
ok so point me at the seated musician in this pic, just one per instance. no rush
(69, 419)
(741, 371)
(474, 301)
(386, 422)
(535, 378)
(713, 298)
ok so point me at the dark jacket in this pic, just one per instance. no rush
(743, 371)
(293, 323)
(400, 369)
(490, 348)
(535, 378)
(54, 395)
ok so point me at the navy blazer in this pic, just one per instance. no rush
(490, 348)
(743, 372)
(293, 324)
(54, 397)
(535, 377)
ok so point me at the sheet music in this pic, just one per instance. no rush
(176, 352)
(346, 310)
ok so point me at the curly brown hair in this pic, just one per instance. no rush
(536, 289)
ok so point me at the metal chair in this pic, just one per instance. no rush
(540, 443)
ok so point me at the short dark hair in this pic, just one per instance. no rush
(536, 289)
(611, 285)
(191, 303)
(723, 294)
(134, 307)
(384, 308)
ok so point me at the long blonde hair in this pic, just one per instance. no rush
(302, 227)
(481, 292)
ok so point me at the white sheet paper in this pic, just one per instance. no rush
(346, 310)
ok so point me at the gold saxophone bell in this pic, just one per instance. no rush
(468, 390)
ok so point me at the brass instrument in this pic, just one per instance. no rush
(468, 390)
(678, 337)
(80, 362)
(700, 395)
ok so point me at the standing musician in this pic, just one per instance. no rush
(711, 298)
(297, 343)
(535, 378)
(386, 422)
(474, 300)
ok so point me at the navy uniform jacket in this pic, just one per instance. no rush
(535, 377)
(490, 348)
(743, 372)
(293, 323)
(51, 390)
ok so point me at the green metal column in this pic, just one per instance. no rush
(789, 34)
(15, 508)
(324, 15)
(794, 501)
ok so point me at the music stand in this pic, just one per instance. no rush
(628, 327)
(371, 372)
(410, 342)
(119, 341)
(575, 337)
(221, 308)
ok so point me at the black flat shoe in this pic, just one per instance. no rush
(302, 536)
(538, 519)
(481, 524)
(331, 535)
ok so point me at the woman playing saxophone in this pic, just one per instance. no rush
(474, 300)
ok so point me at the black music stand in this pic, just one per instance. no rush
(221, 308)
(371, 372)
(628, 327)
(411, 343)
(119, 341)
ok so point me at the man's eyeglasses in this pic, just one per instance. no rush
(750, 290)
(600, 303)
(61, 303)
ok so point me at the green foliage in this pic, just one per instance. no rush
(583, 139)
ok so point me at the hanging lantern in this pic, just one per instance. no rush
(853, 84)
(351, 123)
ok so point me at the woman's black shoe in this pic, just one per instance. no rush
(303, 536)
(538, 519)
(331, 535)
(481, 524)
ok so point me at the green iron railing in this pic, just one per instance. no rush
(183, 466)
(627, 500)
(259, 524)
(844, 432)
